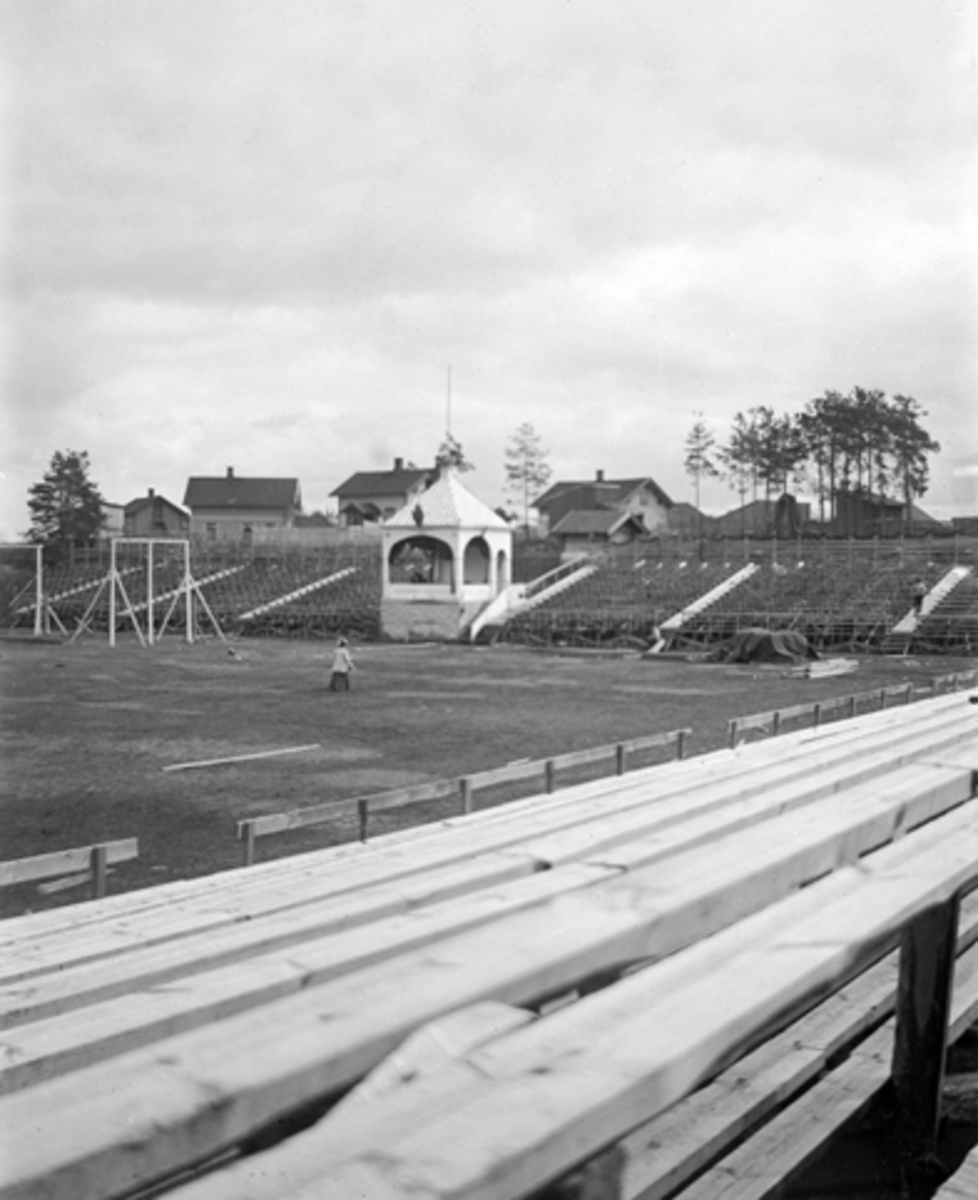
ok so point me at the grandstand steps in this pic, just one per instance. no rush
(708, 598)
(298, 593)
(900, 637)
(517, 599)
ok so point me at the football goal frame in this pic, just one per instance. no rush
(42, 613)
(186, 595)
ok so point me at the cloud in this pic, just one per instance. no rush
(258, 234)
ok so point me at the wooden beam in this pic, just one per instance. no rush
(920, 1044)
(236, 758)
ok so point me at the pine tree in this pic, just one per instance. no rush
(527, 468)
(66, 506)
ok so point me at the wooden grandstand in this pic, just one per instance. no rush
(842, 595)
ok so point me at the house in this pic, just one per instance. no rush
(581, 531)
(371, 496)
(642, 497)
(153, 516)
(231, 508)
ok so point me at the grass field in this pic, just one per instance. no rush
(87, 732)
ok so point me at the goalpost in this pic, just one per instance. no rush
(133, 586)
(22, 567)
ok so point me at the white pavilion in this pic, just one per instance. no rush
(446, 555)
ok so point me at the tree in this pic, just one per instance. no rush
(66, 506)
(527, 468)
(451, 454)
(910, 444)
(699, 454)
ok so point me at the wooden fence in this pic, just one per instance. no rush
(539, 774)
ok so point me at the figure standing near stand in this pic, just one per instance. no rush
(342, 668)
(917, 597)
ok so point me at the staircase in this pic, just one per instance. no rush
(711, 597)
(900, 637)
(299, 592)
(521, 597)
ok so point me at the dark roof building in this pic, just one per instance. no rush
(231, 507)
(369, 496)
(641, 496)
(154, 516)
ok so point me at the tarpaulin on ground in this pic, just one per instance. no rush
(765, 646)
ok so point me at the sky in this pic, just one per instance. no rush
(303, 238)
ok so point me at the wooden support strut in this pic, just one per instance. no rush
(927, 953)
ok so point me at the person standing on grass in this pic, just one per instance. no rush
(342, 668)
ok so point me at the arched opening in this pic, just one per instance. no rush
(475, 564)
(420, 560)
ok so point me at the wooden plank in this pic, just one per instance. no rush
(64, 862)
(666, 1153)
(307, 882)
(148, 1109)
(239, 758)
(671, 827)
(349, 948)
(54, 1045)
(522, 1110)
(186, 916)
(923, 1004)
(925, 714)
(781, 1150)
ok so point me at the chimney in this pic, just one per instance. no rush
(599, 476)
(230, 472)
(398, 464)
(152, 493)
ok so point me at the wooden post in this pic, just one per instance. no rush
(817, 715)
(732, 738)
(248, 843)
(924, 988)
(776, 724)
(465, 789)
(620, 759)
(852, 706)
(681, 744)
(549, 772)
(99, 864)
(363, 809)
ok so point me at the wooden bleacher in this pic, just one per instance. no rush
(684, 977)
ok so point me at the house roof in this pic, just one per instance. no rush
(448, 503)
(596, 521)
(230, 491)
(615, 490)
(381, 483)
(141, 502)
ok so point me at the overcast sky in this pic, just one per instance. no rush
(258, 232)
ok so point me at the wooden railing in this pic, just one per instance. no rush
(538, 774)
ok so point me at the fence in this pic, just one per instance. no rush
(773, 723)
(537, 772)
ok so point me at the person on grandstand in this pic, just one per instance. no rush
(343, 667)
(917, 596)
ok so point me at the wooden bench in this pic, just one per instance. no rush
(597, 953)
(87, 864)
